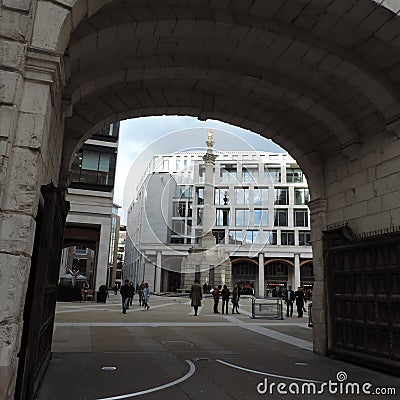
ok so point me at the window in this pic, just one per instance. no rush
(301, 197)
(178, 164)
(260, 197)
(241, 196)
(272, 175)
(108, 133)
(200, 195)
(199, 216)
(222, 217)
(287, 238)
(294, 175)
(281, 196)
(235, 237)
(249, 174)
(304, 238)
(178, 227)
(184, 192)
(270, 237)
(221, 196)
(300, 218)
(202, 173)
(252, 236)
(179, 209)
(219, 235)
(177, 240)
(281, 218)
(80, 250)
(242, 217)
(228, 173)
(260, 217)
(165, 165)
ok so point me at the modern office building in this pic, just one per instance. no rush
(120, 255)
(254, 204)
(92, 222)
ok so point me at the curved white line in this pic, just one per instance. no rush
(191, 371)
(266, 373)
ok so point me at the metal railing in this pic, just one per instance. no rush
(266, 308)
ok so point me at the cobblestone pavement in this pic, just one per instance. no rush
(168, 353)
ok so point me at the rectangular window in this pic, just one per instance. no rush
(281, 196)
(80, 250)
(294, 175)
(261, 196)
(222, 217)
(250, 174)
(221, 196)
(242, 217)
(178, 164)
(304, 238)
(300, 218)
(270, 237)
(165, 165)
(179, 209)
(235, 237)
(272, 175)
(178, 227)
(287, 238)
(241, 196)
(202, 173)
(219, 235)
(301, 197)
(260, 217)
(281, 217)
(252, 236)
(228, 173)
(184, 192)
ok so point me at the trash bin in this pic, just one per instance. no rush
(102, 294)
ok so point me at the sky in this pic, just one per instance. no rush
(141, 138)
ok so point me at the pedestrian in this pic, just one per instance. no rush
(235, 299)
(289, 300)
(131, 292)
(205, 288)
(125, 296)
(115, 288)
(225, 294)
(141, 287)
(195, 296)
(146, 296)
(300, 300)
(85, 288)
(216, 294)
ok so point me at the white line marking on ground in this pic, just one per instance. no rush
(191, 371)
(139, 324)
(267, 373)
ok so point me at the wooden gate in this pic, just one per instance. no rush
(363, 287)
(41, 295)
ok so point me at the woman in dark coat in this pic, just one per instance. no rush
(196, 295)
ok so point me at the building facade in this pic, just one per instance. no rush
(259, 216)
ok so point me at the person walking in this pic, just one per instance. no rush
(289, 300)
(195, 296)
(131, 292)
(225, 294)
(205, 288)
(146, 296)
(300, 300)
(125, 296)
(216, 294)
(235, 299)
(140, 290)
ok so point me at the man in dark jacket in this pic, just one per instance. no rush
(196, 296)
(216, 293)
(125, 293)
(300, 300)
(289, 299)
(225, 293)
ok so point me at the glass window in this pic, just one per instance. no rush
(202, 173)
(252, 236)
(242, 217)
(272, 175)
(178, 164)
(241, 196)
(260, 217)
(281, 217)
(300, 218)
(301, 196)
(219, 235)
(165, 165)
(221, 196)
(178, 227)
(235, 237)
(294, 175)
(184, 192)
(228, 173)
(281, 196)
(287, 238)
(179, 209)
(200, 195)
(199, 216)
(222, 217)
(304, 238)
(261, 196)
(270, 237)
(250, 174)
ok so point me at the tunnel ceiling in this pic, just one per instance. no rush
(316, 76)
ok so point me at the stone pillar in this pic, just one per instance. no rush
(261, 277)
(102, 256)
(318, 208)
(157, 284)
(296, 271)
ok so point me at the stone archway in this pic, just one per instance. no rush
(319, 79)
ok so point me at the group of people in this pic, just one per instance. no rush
(297, 297)
(128, 292)
(218, 293)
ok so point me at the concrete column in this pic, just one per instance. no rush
(102, 256)
(261, 277)
(296, 271)
(157, 284)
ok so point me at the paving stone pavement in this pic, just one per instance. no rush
(168, 353)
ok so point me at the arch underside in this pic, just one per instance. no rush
(316, 77)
